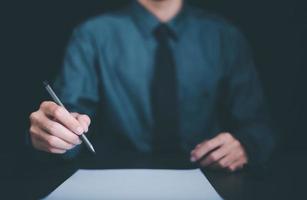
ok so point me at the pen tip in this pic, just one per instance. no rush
(93, 150)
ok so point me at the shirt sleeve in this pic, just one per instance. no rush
(77, 85)
(248, 115)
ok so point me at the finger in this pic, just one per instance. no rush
(57, 129)
(40, 145)
(220, 164)
(236, 165)
(223, 156)
(84, 118)
(74, 114)
(230, 158)
(218, 154)
(56, 151)
(205, 147)
(241, 156)
(50, 140)
(55, 142)
(82, 122)
(85, 121)
(62, 116)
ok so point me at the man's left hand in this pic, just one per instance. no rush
(221, 152)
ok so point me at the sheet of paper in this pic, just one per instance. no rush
(136, 184)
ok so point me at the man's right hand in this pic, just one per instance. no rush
(53, 129)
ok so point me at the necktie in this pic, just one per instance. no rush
(164, 95)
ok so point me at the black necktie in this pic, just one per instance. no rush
(164, 95)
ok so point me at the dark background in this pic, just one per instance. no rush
(34, 35)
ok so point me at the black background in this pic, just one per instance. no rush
(34, 35)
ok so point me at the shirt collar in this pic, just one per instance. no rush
(147, 22)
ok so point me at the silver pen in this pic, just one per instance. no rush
(57, 100)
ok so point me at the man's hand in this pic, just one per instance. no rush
(222, 152)
(53, 129)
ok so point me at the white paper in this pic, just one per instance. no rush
(136, 184)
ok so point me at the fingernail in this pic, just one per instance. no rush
(79, 130)
(80, 141)
(192, 159)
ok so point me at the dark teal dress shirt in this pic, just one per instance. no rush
(107, 74)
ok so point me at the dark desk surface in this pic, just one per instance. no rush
(285, 179)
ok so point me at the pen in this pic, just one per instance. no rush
(57, 100)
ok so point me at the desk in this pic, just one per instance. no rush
(285, 179)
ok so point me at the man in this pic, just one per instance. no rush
(158, 77)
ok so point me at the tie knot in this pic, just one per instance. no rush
(162, 32)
